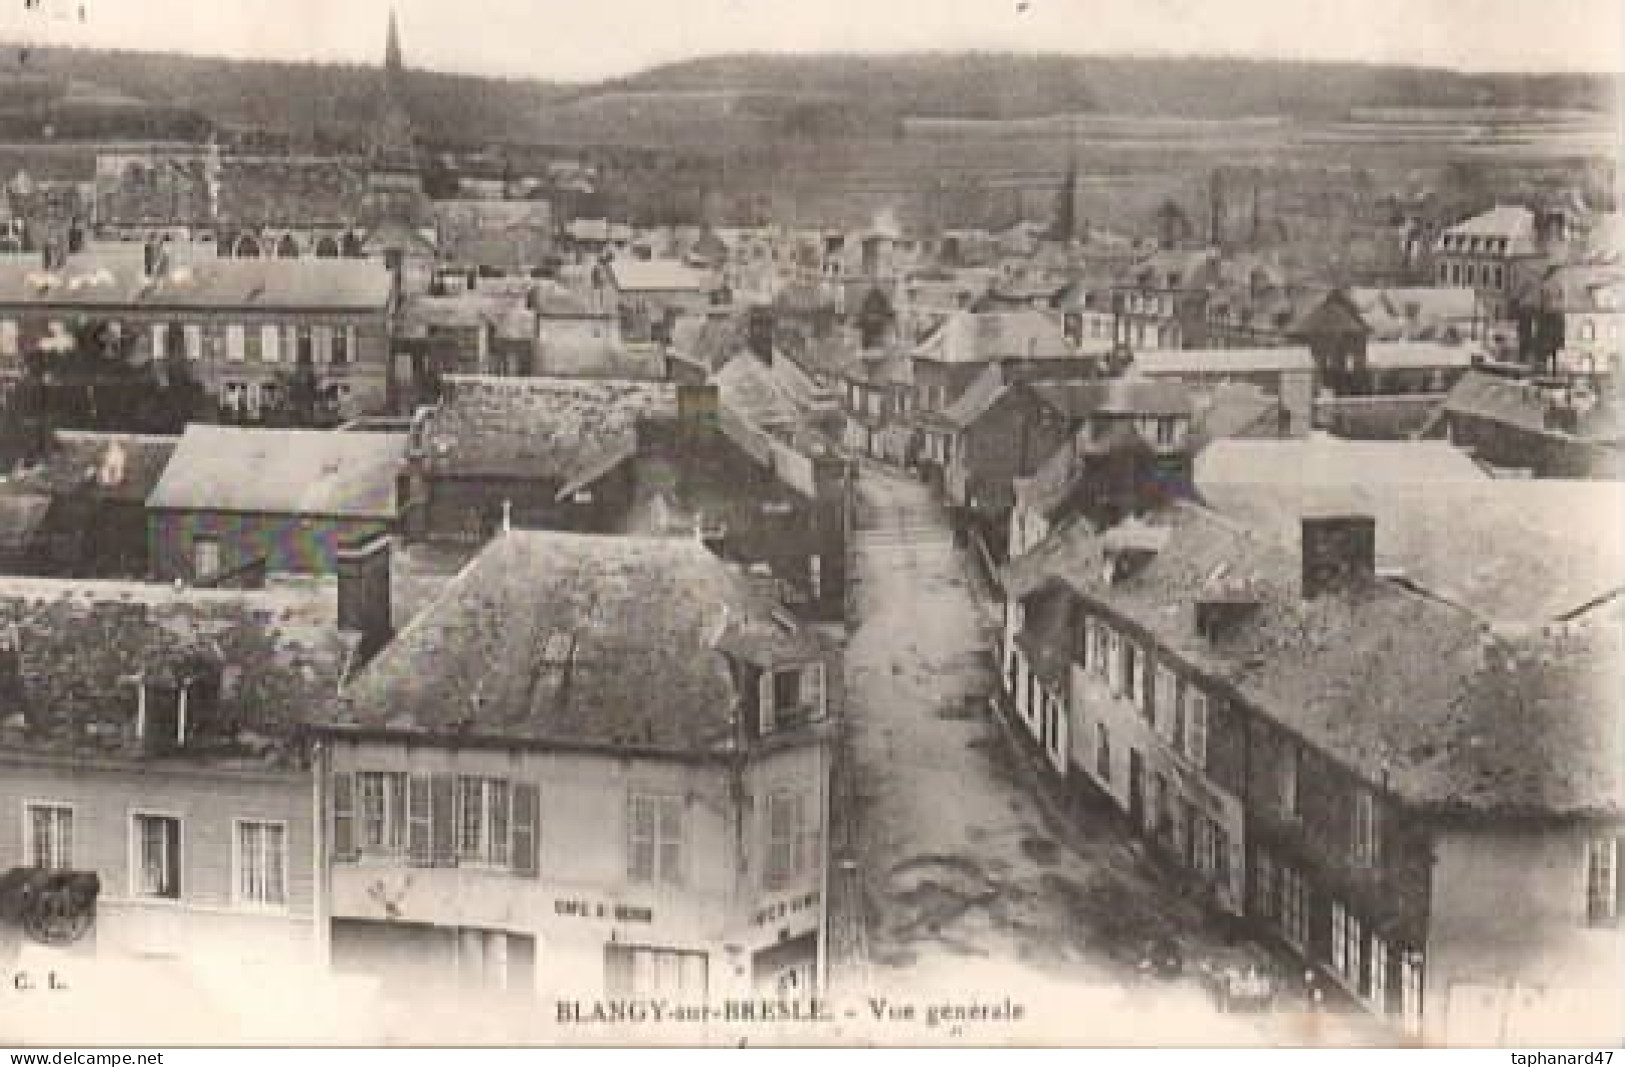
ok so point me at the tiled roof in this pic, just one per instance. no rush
(711, 341)
(1320, 460)
(306, 284)
(1210, 361)
(283, 472)
(277, 655)
(552, 638)
(122, 467)
(986, 337)
(545, 428)
(1416, 313)
(1513, 222)
(1583, 288)
(1411, 694)
(977, 400)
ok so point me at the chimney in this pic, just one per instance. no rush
(1339, 553)
(759, 334)
(364, 593)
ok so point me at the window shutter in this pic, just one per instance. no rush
(443, 820)
(526, 818)
(813, 679)
(764, 707)
(172, 856)
(671, 840)
(640, 862)
(419, 805)
(344, 846)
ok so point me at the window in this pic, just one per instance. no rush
(194, 341)
(156, 869)
(656, 839)
(1103, 650)
(160, 340)
(343, 343)
(1265, 899)
(790, 839)
(1294, 907)
(261, 859)
(1365, 828)
(1289, 795)
(1167, 430)
(1348, 944)
(630, 971)
(1134, 677)
(236, 343)
(49, 841)
(1410, 991)
(483, 817)
(270, 343)
(1103, 752)
(1602, 881)
(8, 337)
(792, 698)
(1196, 728)
(1114, 652)
(381, 800)
(1167, 695)
(1377, 974)
(205, 559)
(252, 342)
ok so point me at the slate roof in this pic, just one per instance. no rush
(1416, 312)
(659, 276)
(576, 641)
(544, 428)
(1420, 355)
(990, 336)
(282, 472)
(1511, 222)
(1497, 399)
(1407, 692)
(750, 389)
(205, 284)
(1234, 409)
(1212, 361)
(278, 655)
(1128, 395)
(290, 190)
(1508, 550)
(573, 358)
(1582, 287)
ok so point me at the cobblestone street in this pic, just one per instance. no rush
(954, 878)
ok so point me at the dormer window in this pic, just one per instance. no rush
(791, 697)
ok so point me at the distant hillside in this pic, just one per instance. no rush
(999, 85)
(744, 98)
(302, 99)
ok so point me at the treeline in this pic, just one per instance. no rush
(1002, 85)
(334, 103)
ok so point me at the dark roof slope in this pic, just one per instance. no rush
(550, 428)
(277, 655)
(1409, 693)
(573, 640)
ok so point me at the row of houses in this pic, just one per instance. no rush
(1348, 763)
(282, 779)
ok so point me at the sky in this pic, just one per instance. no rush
(584, 40)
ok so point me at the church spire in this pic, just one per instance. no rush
(392, 49)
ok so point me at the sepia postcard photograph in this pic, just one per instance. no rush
(846, 524)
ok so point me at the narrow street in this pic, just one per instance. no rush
(952, 878)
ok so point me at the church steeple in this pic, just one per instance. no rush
(393, 141)
(392, 50)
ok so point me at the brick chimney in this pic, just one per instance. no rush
(1339, 553)
(364, 593)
